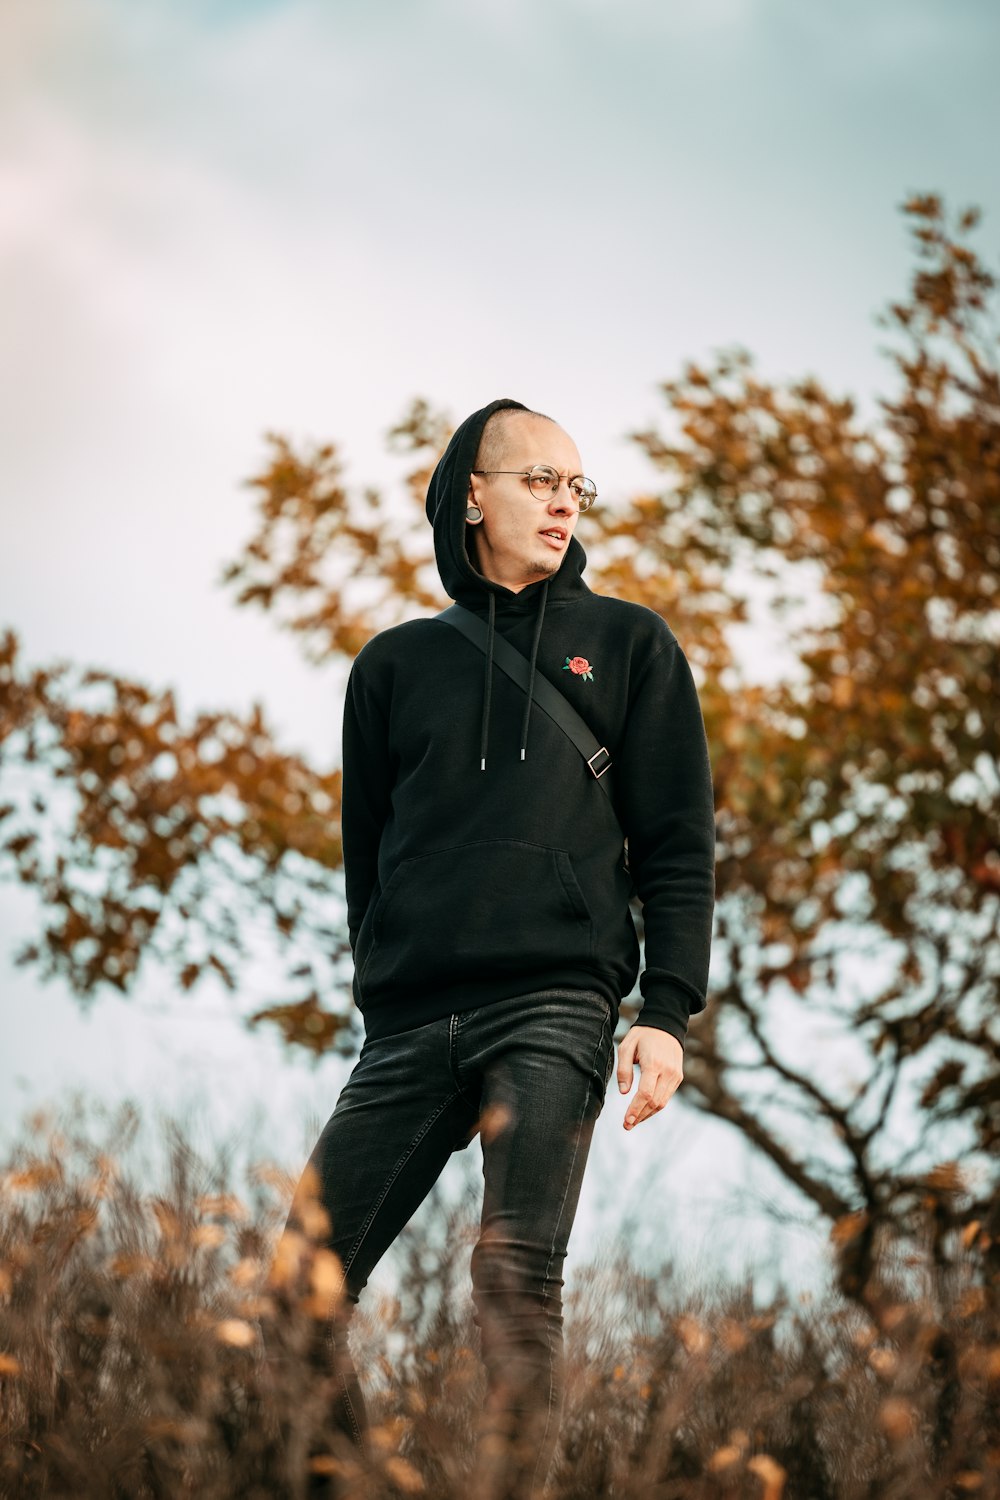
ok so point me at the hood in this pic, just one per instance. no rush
(447, 497)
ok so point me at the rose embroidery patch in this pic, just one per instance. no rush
(580, 665)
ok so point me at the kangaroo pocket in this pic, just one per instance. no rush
(498, 907)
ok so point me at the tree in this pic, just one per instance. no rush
(856, 796)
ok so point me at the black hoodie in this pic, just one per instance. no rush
(479, 866)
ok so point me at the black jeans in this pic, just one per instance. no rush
(530, 1075)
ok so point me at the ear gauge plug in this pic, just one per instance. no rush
(473, 513)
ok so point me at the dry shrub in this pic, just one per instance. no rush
(165, 1340)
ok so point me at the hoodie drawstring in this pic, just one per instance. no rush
(488, 693)
(488, 689)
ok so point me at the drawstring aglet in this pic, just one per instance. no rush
(522, 752)
(482, 764)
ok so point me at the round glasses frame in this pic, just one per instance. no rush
(544, 474)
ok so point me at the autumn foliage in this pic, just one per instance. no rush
(851, 1032)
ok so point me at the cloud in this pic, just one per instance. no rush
(224, 217)
(277, 208)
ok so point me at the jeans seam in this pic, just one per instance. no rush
(348, 1403)
(392, 1178)
(331, 1321)
(548, 1266)
(454, 1022)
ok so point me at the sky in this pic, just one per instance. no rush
(224, 218)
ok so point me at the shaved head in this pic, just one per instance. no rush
(491, 454)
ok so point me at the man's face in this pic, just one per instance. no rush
(509, 542)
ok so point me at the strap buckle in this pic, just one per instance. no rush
(602, 751)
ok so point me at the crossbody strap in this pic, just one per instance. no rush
(548, 698)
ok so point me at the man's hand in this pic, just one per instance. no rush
(661, 1067)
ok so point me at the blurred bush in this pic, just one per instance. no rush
(163, 1338)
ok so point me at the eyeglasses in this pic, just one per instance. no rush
(544, 482)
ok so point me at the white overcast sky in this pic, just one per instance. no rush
(223, 217)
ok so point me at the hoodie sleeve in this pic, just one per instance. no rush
(364, 793)
(665, 777)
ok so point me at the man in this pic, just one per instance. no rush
(488, 897)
